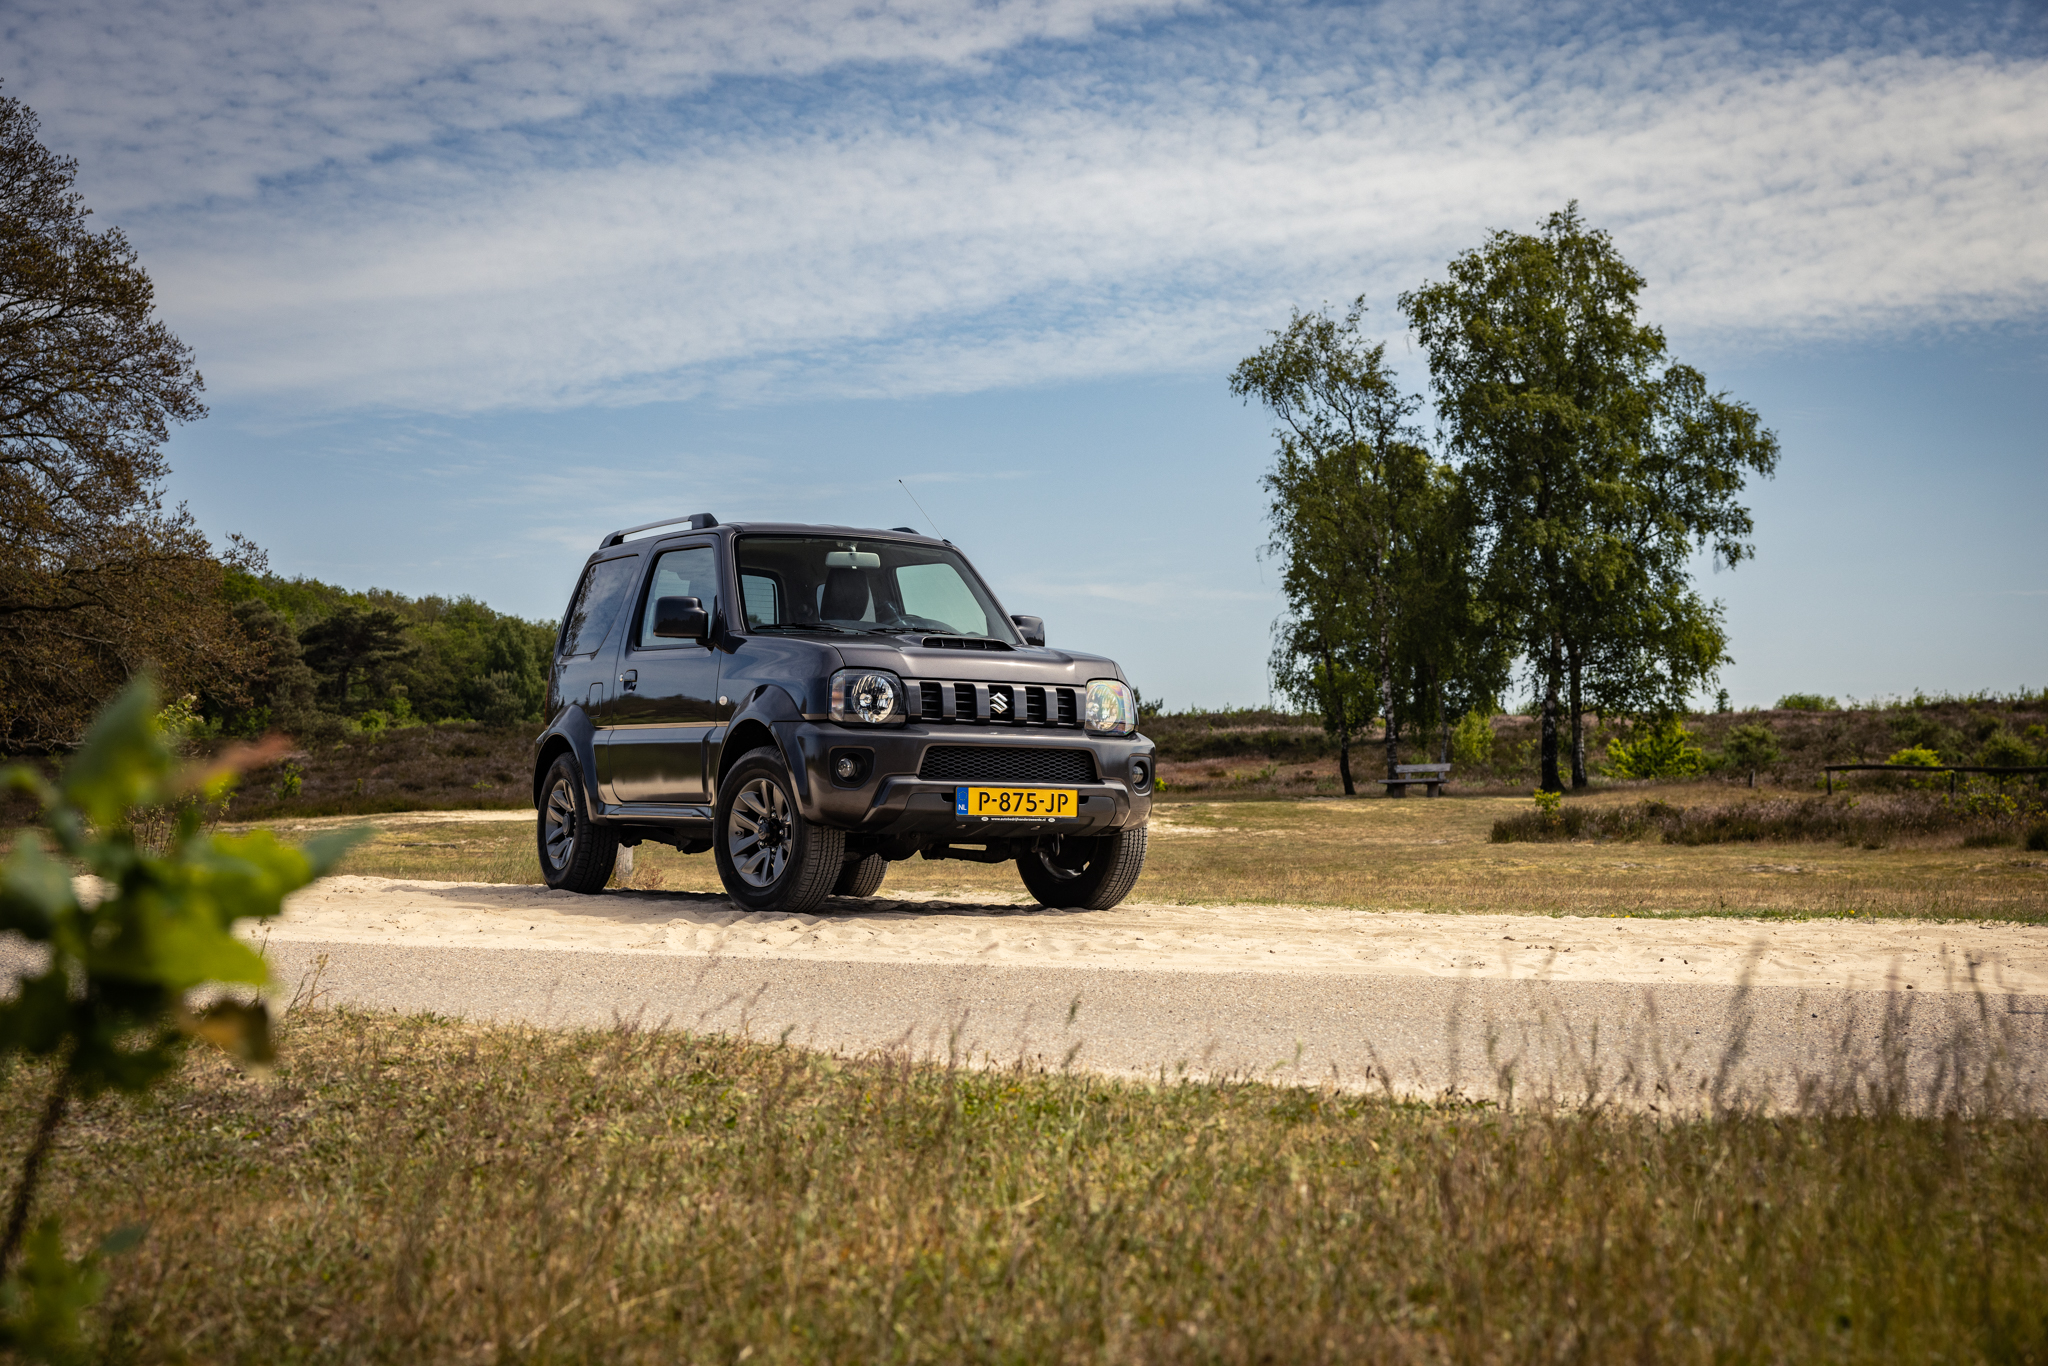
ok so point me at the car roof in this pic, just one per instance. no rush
(667, 531)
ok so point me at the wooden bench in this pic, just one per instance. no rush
(1431, 776)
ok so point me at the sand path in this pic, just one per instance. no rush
(1817, 954)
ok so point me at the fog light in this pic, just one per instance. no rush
(849, 768)
(1141, 773)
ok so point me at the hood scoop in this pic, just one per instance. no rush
(966, 643)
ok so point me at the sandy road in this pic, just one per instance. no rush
(1650, 1011)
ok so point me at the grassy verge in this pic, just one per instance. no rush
(408, 1189)
(1407, 855)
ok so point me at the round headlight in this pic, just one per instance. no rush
(867, 697)
(1111, 708)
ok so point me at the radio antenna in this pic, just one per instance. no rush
(920, 510)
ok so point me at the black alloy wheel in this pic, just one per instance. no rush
(769, 857)
(1084, 872)
(576, 855)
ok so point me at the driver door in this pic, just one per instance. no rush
(666, 706)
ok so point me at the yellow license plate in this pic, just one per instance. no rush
(1017, 803)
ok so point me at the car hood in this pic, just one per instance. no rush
(907, 657)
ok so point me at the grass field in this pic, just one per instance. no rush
(1416, 854)
(418, 1190)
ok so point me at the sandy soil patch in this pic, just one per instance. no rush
(1829, 954)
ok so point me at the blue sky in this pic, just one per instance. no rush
(472, 285)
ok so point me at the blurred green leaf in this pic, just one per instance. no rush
(124, 762)
(110, 1000)
(35, 890)
(40, 1303)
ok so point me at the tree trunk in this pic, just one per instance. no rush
(1387, 701)
(1337, 709)
(1548, 780)
(1578, 729)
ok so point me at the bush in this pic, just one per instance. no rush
(2005, 750)
(1982, 818)
(1667, 751)
(1749, 748)
(2037, 838)
(1807, 701)
(1472, 740)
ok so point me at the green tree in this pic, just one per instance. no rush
(355, 645)
(1354, 503)
(1594, 467)
(97, 579)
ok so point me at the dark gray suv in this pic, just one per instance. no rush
(811, 703)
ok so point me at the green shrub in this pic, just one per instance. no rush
(1668, 750)
(1750, 748)
(1982, 821)
(106, 1003)
(1807, 701)
(1472, 740)
(2006, 750)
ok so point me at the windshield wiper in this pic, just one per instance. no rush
(803, 626)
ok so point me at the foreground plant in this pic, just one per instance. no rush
(109, 1003)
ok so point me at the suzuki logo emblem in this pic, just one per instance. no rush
(998, 703)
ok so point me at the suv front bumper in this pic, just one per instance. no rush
(890, 799)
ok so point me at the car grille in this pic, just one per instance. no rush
(993, 704)
(1002, 764)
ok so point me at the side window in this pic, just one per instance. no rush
(763, 598)
(596, 604)
(691, 572)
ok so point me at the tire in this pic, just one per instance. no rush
(1091, 873)
(769, 857)
(862, 876)
(575, 854)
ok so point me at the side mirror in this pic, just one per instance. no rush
(1031, 628)
(681, 619)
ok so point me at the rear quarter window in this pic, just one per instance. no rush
(596, 605)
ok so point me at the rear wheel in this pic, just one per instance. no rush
(861, 876)
(1089, 873)
(575, 855)
(769, 857)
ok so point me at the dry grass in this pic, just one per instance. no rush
(1415, 854)
(416, 1190)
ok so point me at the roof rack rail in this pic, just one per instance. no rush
(697, 520)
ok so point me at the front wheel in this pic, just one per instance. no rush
(575, 855)
(769, 857)
(1090, 873)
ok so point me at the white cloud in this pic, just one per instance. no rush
(376, 231)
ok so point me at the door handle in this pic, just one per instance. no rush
(630, 678)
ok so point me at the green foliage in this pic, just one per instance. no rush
(411, 659)
(1749, 748)
(109, 1003)
(1472, 740)
(1807, 701)
(1665, 750)
(1596, 467)
(2006, 750)
(1374, 544)
(1548, 804)
(1917, 755)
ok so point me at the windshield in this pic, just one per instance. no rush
(851, 584)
